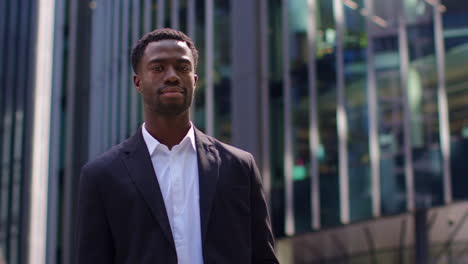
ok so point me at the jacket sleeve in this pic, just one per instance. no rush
(262, 236)
(92, 233)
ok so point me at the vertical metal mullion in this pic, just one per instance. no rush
(341, 113)
(209, 93)
(288, 155)
(175, 14)
(28, 100)
(115, 72)
(161, 13)
(373, 114)
(135, 36)
(265, 98)
(404, 67)
(70, 129)
(41, 134)
(444, 121)
(313, 116)
(124, 72)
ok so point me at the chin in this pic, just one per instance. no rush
(172, 110)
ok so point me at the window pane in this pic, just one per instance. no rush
(327, 96)
(222, 70)
(423, 107)
(455, 29)
(298, 15)
(199, 100)
(390, 108)
(276, 118)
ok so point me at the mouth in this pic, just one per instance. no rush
(172, 91)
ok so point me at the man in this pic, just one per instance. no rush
(171, 194)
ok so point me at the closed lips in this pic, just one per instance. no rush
(172, 90)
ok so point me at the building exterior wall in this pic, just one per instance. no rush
(356, 110)
(17, 60)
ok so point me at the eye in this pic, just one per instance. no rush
(184, 68)
(157, 68)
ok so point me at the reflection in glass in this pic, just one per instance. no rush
(298, 16)
(183, 15)
(327, 97)
(455, 28)
(355, 70)
(222, 70)
(199, 96)
(277, 118)
(390, 108)
(422, 97)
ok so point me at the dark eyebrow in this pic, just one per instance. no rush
(158, 60)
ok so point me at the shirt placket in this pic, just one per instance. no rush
(178, 197)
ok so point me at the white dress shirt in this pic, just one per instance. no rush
(177, 173)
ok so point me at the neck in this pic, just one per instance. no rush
(169, 130)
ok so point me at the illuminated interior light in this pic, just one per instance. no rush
(442, 8)
(364, 12)
(351, 4)
(432, 2)
(380, 21)
(92, 5)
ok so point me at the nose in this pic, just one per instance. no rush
(171, 76)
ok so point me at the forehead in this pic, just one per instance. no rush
(167, 49)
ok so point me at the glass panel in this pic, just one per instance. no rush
(199, 100)
(355, 70)
(298, 25)
(183, 16)
(167, 16)
(422, 97)
(327, 96)
(15, 55)
(390, 107)
(276, 117)
(222, 70)
(5, 171)
(455, 30)
(9, 89)
(154, 13)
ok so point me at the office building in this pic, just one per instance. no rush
(356, 112)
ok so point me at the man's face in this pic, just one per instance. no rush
(166, 79)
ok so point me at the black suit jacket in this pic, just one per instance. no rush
(122, 219)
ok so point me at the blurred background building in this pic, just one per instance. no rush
(356, 111)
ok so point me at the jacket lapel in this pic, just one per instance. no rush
(208, 173)
(138, 162)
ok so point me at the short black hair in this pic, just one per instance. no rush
(157, 35)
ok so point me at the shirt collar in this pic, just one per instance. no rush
(152, 143)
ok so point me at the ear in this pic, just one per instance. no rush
(137, 82)
(195, 79)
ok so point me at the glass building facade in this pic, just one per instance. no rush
(356, 112)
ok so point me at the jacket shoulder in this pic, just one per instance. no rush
(104, 160)
(230, 152)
